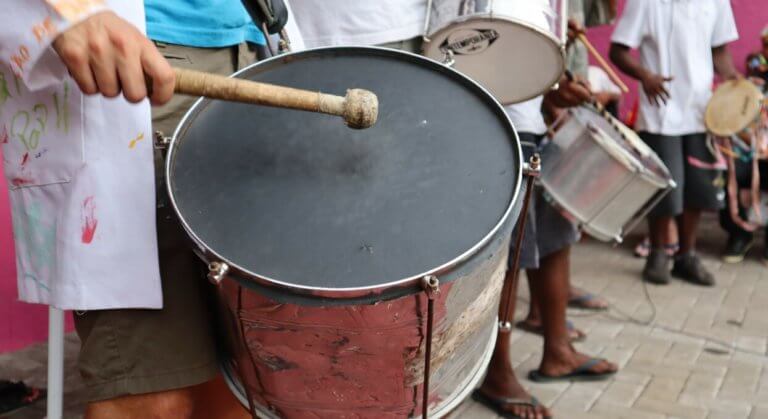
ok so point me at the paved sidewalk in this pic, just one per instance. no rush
(703, 357)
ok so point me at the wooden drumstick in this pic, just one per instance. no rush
(612, 74)
(359, 107)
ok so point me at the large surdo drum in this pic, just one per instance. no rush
(319, 237)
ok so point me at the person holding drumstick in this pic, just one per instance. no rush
(148, 348)
(545, 255)
(678, 41)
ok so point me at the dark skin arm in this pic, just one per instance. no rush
(571, 91)
(653, 84)
(723, 62)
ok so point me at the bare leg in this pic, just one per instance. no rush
(214, 400)
(660, 231)
(501, 383)
(207, 400)
(164, 405)
(550, 284)
(534, 311)
(688, 225)
(533, 322)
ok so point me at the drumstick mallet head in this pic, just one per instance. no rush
(361, 108)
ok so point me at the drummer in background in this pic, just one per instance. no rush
(397, 24)
(546, 257)
(679, 41)
(592, 13)
(739, 239)
(136, 362)
(757, 63)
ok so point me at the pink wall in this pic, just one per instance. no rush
(751, 18)
(22, 324)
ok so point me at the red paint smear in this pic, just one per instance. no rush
(25, 159)
(89, 220)
(4, 136)
(21, 181)
(331, 362)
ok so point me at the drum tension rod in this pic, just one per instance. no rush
(532, 170)
(431, 286)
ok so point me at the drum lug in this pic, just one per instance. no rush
(161, 141)
(431, 286)
(217, 271)
(448, 58)
(533, 167)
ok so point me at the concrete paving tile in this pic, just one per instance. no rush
(477, 411)
(671, 408)
(579, 397)
(622, 393)
(759, 411)
(726, 408)
(618, 353)
(622, 412)
(700, 386)
(664, 388)
(683, 353)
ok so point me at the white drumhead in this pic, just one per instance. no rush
(514, 60)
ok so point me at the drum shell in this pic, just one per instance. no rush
(276, 344)
(595, 181)
(364, 360)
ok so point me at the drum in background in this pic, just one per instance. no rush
(319, 237)
(510, 46)
(735, 107)
(601, 174)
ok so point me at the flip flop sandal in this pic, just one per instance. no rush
(498, 404)
(537, 330)
(582, 300)
(582, 373)
(15, 396)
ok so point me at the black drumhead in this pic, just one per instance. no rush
(299, 198)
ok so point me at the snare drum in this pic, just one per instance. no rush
(509, 46)
(319, 237)
(601, 174)
(735, 107)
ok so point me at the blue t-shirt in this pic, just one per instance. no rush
(201, 23)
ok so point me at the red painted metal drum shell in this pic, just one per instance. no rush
(362, 361)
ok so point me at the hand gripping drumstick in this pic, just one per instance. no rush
(612, 74)
(359, 107)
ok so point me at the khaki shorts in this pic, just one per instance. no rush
(129, 352)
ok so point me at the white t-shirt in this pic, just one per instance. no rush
(527, 117)
(358, 22)
(675, 38)
(600, 81)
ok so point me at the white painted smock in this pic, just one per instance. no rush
(79, 169)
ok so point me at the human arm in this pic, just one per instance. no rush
(30, 28)
(653, 84)
(106, 54)
(571, 91)
(723, 62)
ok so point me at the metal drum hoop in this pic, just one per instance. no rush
(402, 286)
